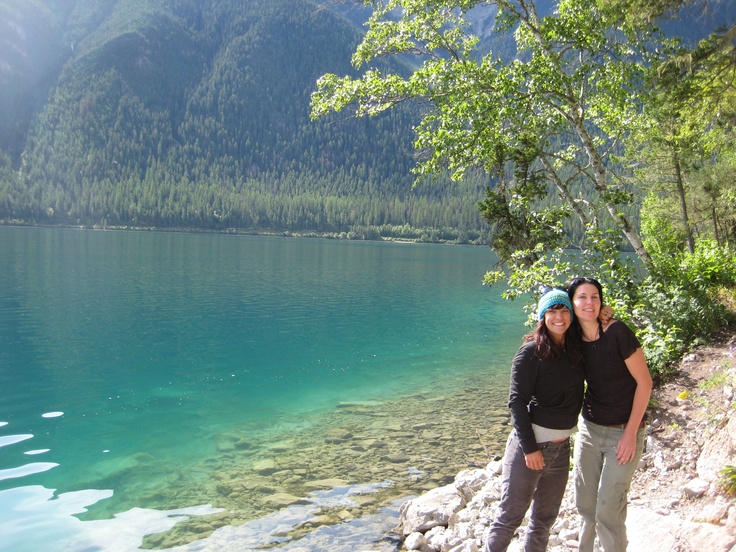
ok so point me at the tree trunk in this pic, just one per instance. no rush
(602, 187)
(683, 204)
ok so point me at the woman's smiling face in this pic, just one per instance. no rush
(557, 320)
(587, 302)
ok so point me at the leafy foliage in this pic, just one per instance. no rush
(678, 306)
(562, 103)
(727, 482)
(550, 125)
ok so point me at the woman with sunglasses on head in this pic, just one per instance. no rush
(611, 437)
(546, 393)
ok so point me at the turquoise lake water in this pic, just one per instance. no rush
(117, 346)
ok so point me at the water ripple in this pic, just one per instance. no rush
(12, 439)
(28, 469)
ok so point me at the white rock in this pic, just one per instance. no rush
(696, 487)
(713, 513)
(659, 461)
(490, 493)
(465, 531)
(430, 510)
(451, 541)
(560, 524)
(469, 482)
(467, 546)
(495, 467)
(471, 514)
(437, 537)
(415, 541)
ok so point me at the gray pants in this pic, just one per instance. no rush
(522, 487)
(602, 486)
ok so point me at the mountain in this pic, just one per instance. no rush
(195, 113)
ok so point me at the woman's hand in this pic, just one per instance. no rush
(534, 460)
(626, 448)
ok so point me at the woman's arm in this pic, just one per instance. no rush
(637, 366)
(521, 390)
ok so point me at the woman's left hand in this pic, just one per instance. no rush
(626, 448)
(534, 460)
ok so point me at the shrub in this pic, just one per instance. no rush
(727, 481)
(678, 303)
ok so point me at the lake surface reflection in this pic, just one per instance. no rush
(211, 390)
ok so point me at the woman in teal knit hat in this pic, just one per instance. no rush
(545, 397)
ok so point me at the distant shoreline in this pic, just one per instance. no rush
(234, 232)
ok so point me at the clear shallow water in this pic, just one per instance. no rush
(117, 346)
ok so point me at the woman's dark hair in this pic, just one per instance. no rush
(549, 349)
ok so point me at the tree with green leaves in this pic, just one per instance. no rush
(691, 112)
(555, 112)
(548, 121)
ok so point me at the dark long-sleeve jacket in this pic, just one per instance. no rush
(548, 393)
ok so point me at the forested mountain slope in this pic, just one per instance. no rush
(190, 113)
(195, 114)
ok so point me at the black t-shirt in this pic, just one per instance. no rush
(610, 393)
(548, 393)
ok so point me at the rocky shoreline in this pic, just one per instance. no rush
(363, 468)
(396, 448)
(675, 503)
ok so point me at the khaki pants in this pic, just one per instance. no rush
(602, 486)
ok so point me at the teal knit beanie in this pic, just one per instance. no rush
(551, 298)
